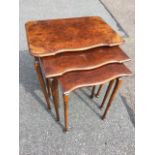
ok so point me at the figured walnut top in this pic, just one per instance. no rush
(62, 63)
(50, 37)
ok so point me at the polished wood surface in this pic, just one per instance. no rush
(65, 62)
(72, 80)
(49, 37)
(118, 85)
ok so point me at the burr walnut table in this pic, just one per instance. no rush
(50, 37)
(77, 79)
(73, 80)
(89, 68)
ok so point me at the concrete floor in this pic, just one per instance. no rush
(40, 134)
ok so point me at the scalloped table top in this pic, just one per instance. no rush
(49, 37)
(77, 79)
(62, 63)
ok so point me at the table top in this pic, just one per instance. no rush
(49, 37)
(73, 80)
(62, 63)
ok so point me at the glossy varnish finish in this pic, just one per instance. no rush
(77, 79)
(85, 60)
(50, 37)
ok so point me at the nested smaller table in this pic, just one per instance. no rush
(77, 79)
(62, 63)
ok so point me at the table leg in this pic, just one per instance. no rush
(66, 101)
(107, 92)
(93, 92)
(114, 93)
(48, 87)
(99, 90)
(55, 94)
(42, 83)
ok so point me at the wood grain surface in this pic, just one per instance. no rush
(73, 80)
(65, 62)
(49, 37)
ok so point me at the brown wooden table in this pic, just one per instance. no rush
(50, 37)
(92, 77)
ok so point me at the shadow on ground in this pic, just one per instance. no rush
(27, 76)
(28, 79)
(129, 110)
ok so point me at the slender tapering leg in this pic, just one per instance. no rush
(55, 94)
(66, 100)
(107, 92)
(48, 87)
(42, 83)
(114, 93)
(93, 92)
(99, 90)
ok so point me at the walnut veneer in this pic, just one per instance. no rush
(49, 37)
(85, 60)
